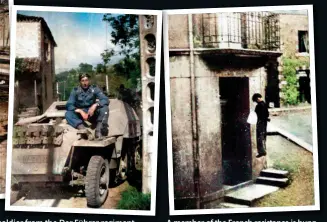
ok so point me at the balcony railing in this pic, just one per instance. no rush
(241, 30)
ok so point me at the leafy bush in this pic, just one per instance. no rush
(132, 199)
(290, 91)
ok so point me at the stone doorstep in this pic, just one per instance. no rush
(248, 195)
(270, 172)
(279, 182)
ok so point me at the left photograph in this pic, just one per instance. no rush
(84, 110)
(4, 89)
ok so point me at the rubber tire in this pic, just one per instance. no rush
(92, 181)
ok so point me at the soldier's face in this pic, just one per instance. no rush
(85, 82)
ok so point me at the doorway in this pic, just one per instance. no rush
(235, 131)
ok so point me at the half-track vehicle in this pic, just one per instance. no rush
(48, 150)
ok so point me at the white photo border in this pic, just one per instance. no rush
(8, 206)
(172, 210)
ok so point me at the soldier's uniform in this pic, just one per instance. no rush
(83, 99)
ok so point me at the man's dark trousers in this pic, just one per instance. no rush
(261, 136)
(100, 115)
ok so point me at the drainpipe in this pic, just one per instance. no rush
(194, 116)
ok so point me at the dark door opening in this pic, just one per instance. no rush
(235, 131)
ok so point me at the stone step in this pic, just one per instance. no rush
(232, 205)
(279, 182)
(247, 195)
(274, 173)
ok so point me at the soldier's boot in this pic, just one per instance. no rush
(98, 133)
(84, 132)
(81, 126)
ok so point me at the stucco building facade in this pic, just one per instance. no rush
(217, 62)
(35, 49)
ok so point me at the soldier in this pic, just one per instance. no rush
(263, 117)
(82, 106)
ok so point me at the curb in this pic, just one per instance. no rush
(273, 129)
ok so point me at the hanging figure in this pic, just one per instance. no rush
(262, 112)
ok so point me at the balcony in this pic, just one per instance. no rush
(238, 30)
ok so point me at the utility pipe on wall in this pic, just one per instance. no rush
(194, 116)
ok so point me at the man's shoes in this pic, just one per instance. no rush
(261, 155)
(81, 126)
(98, 133)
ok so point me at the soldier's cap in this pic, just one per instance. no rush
(83, 75)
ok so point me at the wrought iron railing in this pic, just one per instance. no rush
(247, 30)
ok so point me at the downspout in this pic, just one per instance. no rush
(195, 143)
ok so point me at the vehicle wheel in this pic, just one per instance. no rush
(97, 181)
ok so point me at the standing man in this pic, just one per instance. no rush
(82, 105)
(263, 117)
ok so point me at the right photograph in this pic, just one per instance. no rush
(241, 110)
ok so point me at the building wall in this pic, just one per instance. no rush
(4, 29)
(47, 70)
(29, 44)
(290, 24)
(178, 31)
(28, 39)
(25, 93)
(199, 152)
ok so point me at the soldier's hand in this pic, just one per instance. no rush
(92, 110)
(84, 115)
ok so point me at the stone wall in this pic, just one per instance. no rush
(290, 24)
(4, 29)
(48, 72)
(28, 40)
(178, 31)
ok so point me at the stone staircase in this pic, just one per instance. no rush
(269, 181)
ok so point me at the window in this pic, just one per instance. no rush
(46, 50)
(303, 41)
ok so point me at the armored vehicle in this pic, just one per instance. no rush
(48, 150)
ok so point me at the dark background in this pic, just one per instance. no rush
(162, 204)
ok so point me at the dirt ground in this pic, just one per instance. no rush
(65, 198)
(3, 155)
(3, 144)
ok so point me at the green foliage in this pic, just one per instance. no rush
(290, 90)
(125, 35)
(125, 31)
(19, 67)
(69, 79)
(85, 68)
(106, 56)
(131, 199)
